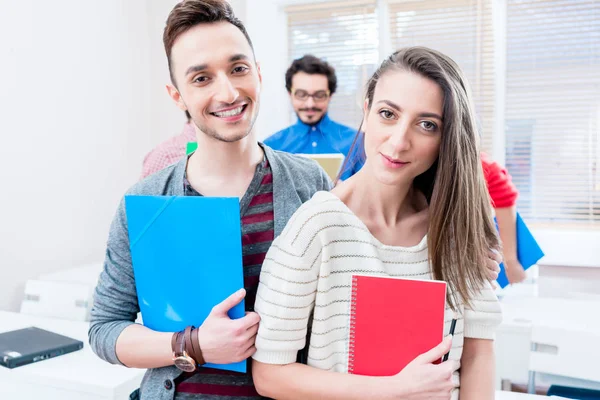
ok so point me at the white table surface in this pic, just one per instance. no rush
(78, 375)
(571, 314)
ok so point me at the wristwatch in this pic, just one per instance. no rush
(181, 358)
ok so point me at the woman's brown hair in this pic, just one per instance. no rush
(461, 229)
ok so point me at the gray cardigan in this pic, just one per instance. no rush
(295, 180)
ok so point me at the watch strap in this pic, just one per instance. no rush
(198, 356)
(174, 342)
(187, 338)
(178, 344)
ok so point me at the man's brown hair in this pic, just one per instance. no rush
(189, 13)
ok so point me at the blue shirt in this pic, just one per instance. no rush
(323, 138)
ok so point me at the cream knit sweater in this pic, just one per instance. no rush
(308, 271)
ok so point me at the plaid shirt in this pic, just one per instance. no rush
(169, 151)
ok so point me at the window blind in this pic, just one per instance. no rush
(461, 29)
(346, 36)
(550, 54)
(553, 108)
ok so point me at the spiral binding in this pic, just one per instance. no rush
(352, 337)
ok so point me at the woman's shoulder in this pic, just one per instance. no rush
(321, 205)
(324, 198)
(323, 210)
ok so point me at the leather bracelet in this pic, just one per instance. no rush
(190, 348)
(174, 341)
(198, 356)
(187, 339)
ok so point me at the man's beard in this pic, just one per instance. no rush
(315, 109)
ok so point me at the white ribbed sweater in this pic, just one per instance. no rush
(309, 269)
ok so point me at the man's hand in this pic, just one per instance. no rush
(223, 340)
(493, 264)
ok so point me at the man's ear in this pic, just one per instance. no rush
(176, 97)
(259, 73)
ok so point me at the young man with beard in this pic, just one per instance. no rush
(218, 82)
(311, 82)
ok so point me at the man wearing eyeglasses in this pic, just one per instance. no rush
(311, 82)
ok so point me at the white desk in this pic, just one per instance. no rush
(76, 376)
(547, 312)
(82, 375)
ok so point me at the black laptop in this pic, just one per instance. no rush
(29, 345)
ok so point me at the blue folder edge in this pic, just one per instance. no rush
(167, 201)
(528, 251)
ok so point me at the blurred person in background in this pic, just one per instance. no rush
(503, 195)
(311, 83)
(170, 151)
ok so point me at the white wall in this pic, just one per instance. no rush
(167, 119)
(266, 23)
(82, 100)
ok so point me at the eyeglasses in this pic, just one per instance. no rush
(318, 96)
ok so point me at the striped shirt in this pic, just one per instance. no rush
(307, 277)
(256, 211)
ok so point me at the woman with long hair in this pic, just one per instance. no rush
(418, 208)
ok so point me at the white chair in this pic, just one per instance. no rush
(78, 280)
(66, 300)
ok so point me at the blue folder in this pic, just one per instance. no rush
(528, 251)
(187, 257)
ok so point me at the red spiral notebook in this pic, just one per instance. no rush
(392, 321)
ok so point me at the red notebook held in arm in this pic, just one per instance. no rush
(392, 321)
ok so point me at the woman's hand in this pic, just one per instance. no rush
(422, 379)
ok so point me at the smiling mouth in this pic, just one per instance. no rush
(394, 163)
(390, 159)
(234, 112)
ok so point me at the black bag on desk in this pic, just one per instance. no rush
(29, 345)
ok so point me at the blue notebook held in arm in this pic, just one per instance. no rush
(528, 251)
(187, 257)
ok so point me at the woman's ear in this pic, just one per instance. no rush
(365, 114)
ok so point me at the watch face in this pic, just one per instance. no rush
(185, 364)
